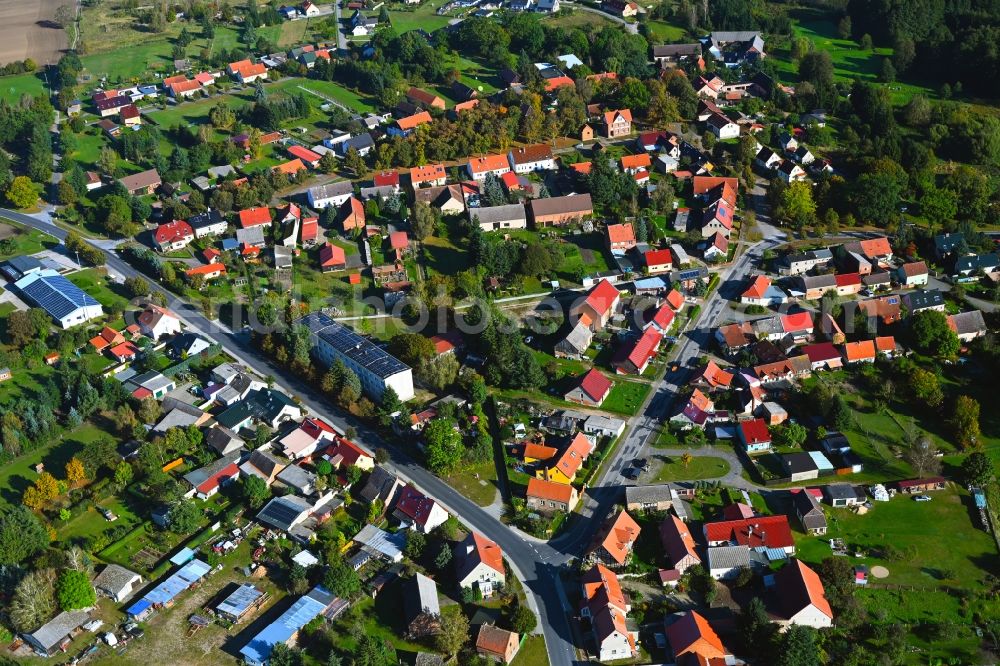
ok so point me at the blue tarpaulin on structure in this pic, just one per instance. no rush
(291, 621)
(139, 607)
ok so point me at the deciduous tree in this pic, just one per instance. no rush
(74, 591)
(22, 192)
(965, 422)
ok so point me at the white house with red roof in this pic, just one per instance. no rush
(419, 511)
(206, 481)
(633, 358)
(173, 236)
(307, 156)
(800, 598)
(479, 564)
(593, 388)
(344, 453)
(480, 167)
(255, 217)
(156, 322)
(718, 218)
(660, 319)
(658, 261)
(604, 602)
(621, 236)
(304, 440)
(755, 532)
(754, 435)
(761, 292)
(598, 305)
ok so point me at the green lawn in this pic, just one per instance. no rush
(849, 61)
(532, 652)
(422, 17)
(661, 32)
(17, 475)
(568, 19)
(700, 467)
(325, 88)
(626, 397)
(90, 523)
(445, 254)
(94, 281)
(12, 87)
(17, 240)
(935, 548)
(88, 146)
(469, 482)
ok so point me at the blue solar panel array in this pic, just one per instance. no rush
(358, 349)
(54, 293)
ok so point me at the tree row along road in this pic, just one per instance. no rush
(537, 564)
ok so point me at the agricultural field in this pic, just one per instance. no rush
(28, 30)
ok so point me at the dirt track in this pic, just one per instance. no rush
(28, 31)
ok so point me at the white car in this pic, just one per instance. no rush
(922, 498)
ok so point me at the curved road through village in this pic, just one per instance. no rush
(538, 564)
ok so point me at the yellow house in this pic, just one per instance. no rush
(534, 453)
(568, 464)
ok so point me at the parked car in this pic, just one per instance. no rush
(922, 498)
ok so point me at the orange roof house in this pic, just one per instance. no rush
(570, 460)
(557, 82)
(108, 337)
(352, 214)
(184, 87)
(465, 106)
(704, 184)
(549, 496)
(332, 257)
(615, 541)
(678, 543)
(856, 352)
(600, 585)
(307, 156)
(621, 236)
(480, 167)
(424, 98)
(429, 173)
(291, 167)
(692, 634)
(412, 122)
(256, 216)
(479, 564)
(712, 376)
(497, 644)
(208, 271)
(632, 163)
(599, 304)
(611, 116)
(534, 451)
(801, 598)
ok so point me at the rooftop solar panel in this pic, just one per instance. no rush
(360, 350)
(54, 293)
